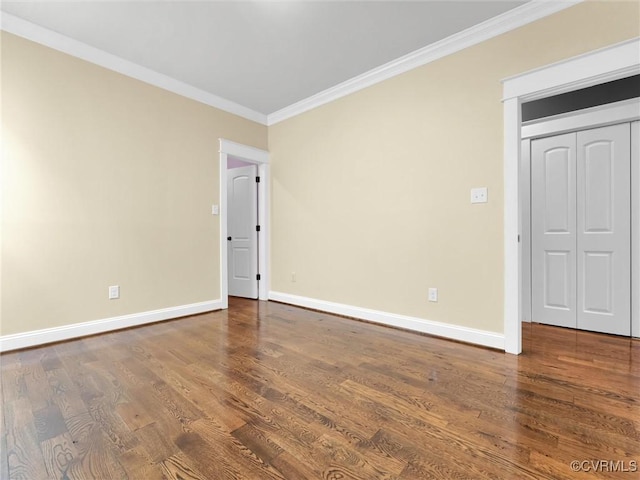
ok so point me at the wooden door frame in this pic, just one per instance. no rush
(261, 159)
(603, 65)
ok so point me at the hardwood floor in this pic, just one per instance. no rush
(266, 390)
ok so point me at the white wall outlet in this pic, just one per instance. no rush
(215, 210)
(479, 195)
(293, 277)
(114, 292)
(433, 294)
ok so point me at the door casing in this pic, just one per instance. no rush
(592, 68)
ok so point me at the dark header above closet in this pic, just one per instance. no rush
(609, 92)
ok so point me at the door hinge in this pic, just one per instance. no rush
(257, 179)
(518, 238)
(258, 277)
(257, 228)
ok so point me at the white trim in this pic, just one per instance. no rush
(589, 69)
(600, 116)
(66, 332)
(261, 159)
(264, 207)
(525, 228)
(244, 152)
(510, 20)
(635, 229)
(446, 330)
(512, 228)
(35, 33)
(224, 266)
(592, 68)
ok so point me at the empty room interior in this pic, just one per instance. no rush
(208, 270)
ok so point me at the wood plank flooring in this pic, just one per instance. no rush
(270, 391)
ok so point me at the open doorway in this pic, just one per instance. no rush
(249, 166)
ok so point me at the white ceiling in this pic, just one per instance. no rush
(264, 55)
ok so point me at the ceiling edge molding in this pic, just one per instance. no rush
(22, 28)
(510, 20)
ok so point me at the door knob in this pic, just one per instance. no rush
(229, 238)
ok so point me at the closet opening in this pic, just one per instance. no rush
(580, 208)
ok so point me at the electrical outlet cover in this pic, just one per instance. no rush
(479, 195)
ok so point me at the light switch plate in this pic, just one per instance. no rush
(433, 294)
(479, 195)
(114, 292)
(215, 210)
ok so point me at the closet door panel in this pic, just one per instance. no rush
(553, 227)
(604, 229)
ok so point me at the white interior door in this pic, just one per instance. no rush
(581, 230)
(604, 229)
(553, 230)
(242, 240)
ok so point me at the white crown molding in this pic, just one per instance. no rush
(510, 20)
(446, 330)
(66, 332)
(22, 28)
(515, 18)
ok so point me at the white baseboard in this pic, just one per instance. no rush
(446, 330)
(66, 332)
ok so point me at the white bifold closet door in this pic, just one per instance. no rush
(581, 229)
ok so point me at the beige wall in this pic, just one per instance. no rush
(106, 180)
(370, 195)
